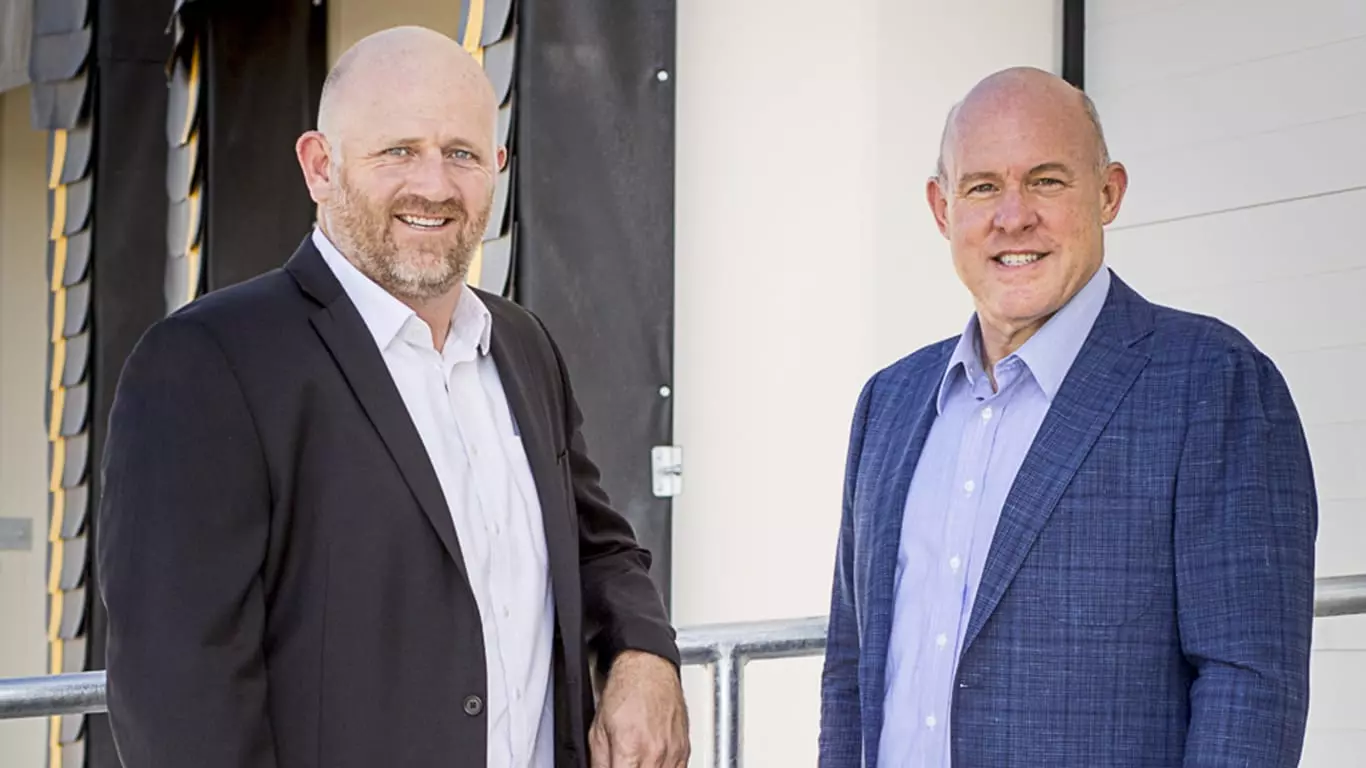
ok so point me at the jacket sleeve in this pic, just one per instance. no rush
(841, 728)
(182, 532)
(623, 609)
(1246, 520)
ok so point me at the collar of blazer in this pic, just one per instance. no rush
(1105, 369)
(343, 331)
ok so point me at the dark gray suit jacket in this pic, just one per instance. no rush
(284, 584)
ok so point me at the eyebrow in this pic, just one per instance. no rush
(408, 142)
(977, 176)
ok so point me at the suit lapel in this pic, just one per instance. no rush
(1104, 371)
(519, 379)
(343, 331)
(911, 412)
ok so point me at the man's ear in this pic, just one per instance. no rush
(1114, 182)
(315, 160)
(939, 204)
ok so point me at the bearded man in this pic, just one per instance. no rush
(348, 517)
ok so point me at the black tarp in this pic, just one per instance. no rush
(594, 217)
(128, 251)
(264, 72)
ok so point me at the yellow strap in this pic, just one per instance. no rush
(54, 426)
(58, 262)
(58, 464)
(54, 179)
(58, 516)
(192, 264)
(58, 365)
(54, 624)
(54, 745)
(58, 212)
(192, 102)
(474, 27)
(58, 315)
(54, 574)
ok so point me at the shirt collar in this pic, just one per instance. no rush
(385, 316)
(1049, 353)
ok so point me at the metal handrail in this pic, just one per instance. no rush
(726, 648)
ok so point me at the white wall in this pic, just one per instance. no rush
(1244, 142)
(23, 389)
(806, 260)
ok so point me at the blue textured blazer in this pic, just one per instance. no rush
(1148, 595)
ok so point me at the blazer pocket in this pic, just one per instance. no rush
(1101, 562)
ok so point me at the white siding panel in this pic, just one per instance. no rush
(1342, 536)
(1339, 455)
(1317, 378)
(1308, 160)
(1260, 96)
(1339, 633)
(1274, 242)
(1243, 125)
(1282, 316)
(1337, 679)
(1334, 748)
(1102, 12)
(1199, 37)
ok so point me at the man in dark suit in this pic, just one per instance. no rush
(1080, 534)
(348, 518)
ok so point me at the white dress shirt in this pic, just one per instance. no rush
(456, 401)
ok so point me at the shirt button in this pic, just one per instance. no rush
(931, 721)
(986, 413)
(954, 562)
(969, 486)
(942, 640)
(474, 706)
(506, 612)
(517, 694)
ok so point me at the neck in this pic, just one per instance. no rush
(436, 312)
(1001, 341)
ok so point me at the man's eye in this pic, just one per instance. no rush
(397, 151)
(981, 189)
(1049, 182)
(462, 154)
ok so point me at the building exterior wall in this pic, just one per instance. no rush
(807, 258)
(23, 391)
(1248, 179)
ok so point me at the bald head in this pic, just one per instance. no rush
(1024, 89)
(386, 68)
(404, 163)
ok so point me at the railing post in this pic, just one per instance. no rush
(727, 682)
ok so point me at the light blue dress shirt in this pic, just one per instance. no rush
(973, 451)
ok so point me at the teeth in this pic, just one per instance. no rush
(422, 221)
(1019, 259)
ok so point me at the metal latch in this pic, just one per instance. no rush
(16, 533)
(666, 468)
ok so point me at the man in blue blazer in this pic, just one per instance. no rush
(1082, 533)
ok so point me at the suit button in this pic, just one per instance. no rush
(474, 706)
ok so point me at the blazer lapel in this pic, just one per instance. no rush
(343, 331)
(519, 379)
(1104, 371)
(911, 411)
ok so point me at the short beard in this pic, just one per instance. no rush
(361, 231)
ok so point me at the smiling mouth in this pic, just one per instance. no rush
(423, 222)
(1019, 258)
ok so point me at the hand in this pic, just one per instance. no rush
(642, 720)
